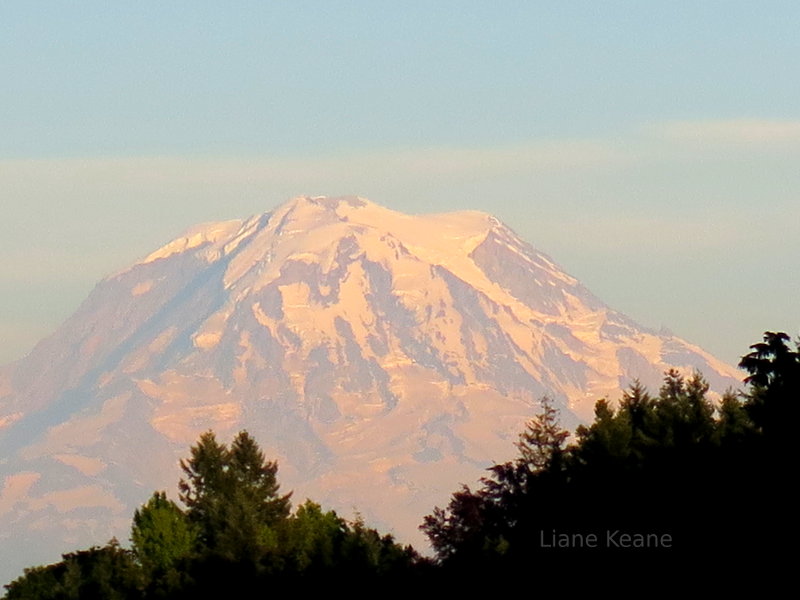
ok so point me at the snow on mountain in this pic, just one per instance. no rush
(382, 358)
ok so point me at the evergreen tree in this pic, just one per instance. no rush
(205, 487)
(233, 496)
(734, 426)
(254, 507)
(608, 441)
(772, 402)
(254, 478)
(774, 397)
(483, 527)
(684, 414)
(541, 444)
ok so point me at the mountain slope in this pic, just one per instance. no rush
(382, 358)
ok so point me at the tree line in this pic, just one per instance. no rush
(659, 484)
(236, 532)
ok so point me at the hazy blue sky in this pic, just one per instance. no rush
(653, 149)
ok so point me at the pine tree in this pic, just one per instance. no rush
(233, 496)
(542, 443)
(254, 478)
(774, 399)
(254, 507)
(205, 488)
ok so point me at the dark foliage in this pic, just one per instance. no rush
(775, 385)
(236, 536)
(232, 496)
(107, 572)
(659, 483)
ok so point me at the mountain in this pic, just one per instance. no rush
(381, 358)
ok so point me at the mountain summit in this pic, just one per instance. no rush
(381, 358)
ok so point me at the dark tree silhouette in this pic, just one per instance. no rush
(107, 572)
(775, 384)
(233, 496)
(703, 484)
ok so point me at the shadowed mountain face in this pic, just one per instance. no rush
(382, 358)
